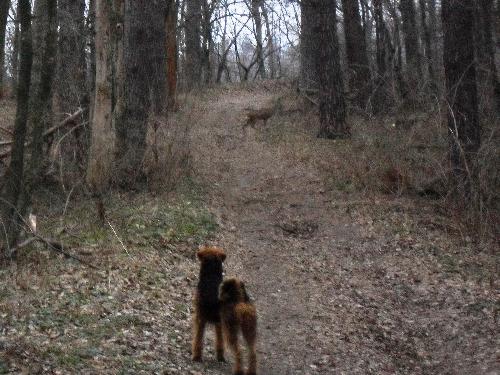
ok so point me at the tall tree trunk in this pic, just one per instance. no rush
(15, 52)
(42, 104)
(428, 47)
(71, 75)
(332, 109)
(39, 27)
(357, 57)
(4, 13)
(308, 73)
(171, 40)
(395, 58)
(13, 179)
(498, 20)
(157, 79)
(410, 37)
(460, 72)
(259, 49)
(103, 135)
(207, 41)
(380, 96)
(270, 43)
(192, 69)
(488, 84)
(91, 69)
(71, 89)
(139, 75)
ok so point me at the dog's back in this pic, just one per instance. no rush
(238, 313)
(208, 289)
(206, 301)
(207, 293)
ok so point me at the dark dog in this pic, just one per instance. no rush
(238, 314)
(206, 301)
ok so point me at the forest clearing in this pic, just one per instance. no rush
(319, 177)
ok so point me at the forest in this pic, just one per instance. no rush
(343, 154)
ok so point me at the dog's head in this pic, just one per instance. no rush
(233, 291)
(211, 258)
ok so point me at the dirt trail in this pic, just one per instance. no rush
(335, 294)
(281, 237)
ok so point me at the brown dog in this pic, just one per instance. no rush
(238, 313)
(206, 300)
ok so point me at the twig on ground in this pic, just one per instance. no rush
(119, 239)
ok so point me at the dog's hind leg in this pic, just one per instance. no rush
(249, 331)
(219, 342)
(231, 335)
(199, 330)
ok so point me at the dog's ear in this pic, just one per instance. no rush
(201, 254)
(244, 293)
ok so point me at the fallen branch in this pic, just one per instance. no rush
(51, 245)
(315, 102)
(68, 120)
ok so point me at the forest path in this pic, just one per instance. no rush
(281, 235)
(345, 281)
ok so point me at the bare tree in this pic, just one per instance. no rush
(428, 48)
(461, 92)
(139, 67)
(71, 75)
(15, 50)
(410, 36)
(255, 6)
(332, 107)
(102, 138)
(357, 58)
(489, 94)
(308, 74)
(13, 179)
(192, 69)
(42, 104)
(4, 13)
(380, 99)
(171, 42)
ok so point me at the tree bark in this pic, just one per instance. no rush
(157, 79)
(207, 10)
(39, 30)
(13, 179)
(332, 107)
(15, 52)
(380, 96)
(139, 76)
(42, 104)
(428, 47)
(259, 49)
(192, 69)
(270, 43)
(71, 75)
(308, 73)
(171, 41)
(103, 135)
(357, 57)
(4, 13)
(488, 84)
(410, 37)
(461, 92)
